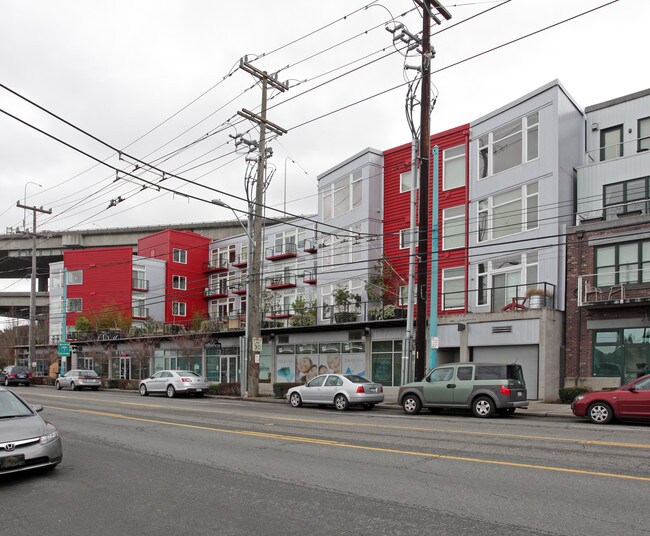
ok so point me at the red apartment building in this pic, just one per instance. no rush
(453, 200)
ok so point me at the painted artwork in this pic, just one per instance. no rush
(285, 368)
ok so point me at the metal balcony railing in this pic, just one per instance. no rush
(629, 286)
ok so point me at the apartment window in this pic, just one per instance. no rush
(342, 195)
(403, 295)
(406, 236)
(56, 279)
(509, 146)
(179, 309)
(453, 227)
(406, 181)
(643, 128)
(139, 306)
(339, 251)
(138, 277)
(508, 213)
(509, 277)
(75, 277)
(626, 263)
(453, 288)
(453, 167)
(74, 305)
(221, 309)
(629, 196)
(179, 282)
(611, 142)
(180, 256)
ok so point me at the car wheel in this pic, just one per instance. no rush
(295, 400)
(600, 413)
(72, 386)
(483, 407)
(57, 384)
(341, 402)
(411, 405)
(368, 406)
(171, 392)
(7, 382)
(143, 390)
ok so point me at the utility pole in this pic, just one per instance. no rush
(255, 270)
(423, 212)
(32, 294)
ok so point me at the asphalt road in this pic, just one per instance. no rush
(135, 465)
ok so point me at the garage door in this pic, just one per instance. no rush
(526, 356)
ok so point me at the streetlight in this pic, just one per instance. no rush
(25, 201)
(249, 264)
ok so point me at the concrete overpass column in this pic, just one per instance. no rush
(42, 283)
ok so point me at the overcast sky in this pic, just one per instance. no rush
(118, 69)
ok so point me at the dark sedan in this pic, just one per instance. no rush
(632, 401)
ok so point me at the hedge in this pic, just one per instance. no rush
(225, 389)
(280, 389)
(567, 394)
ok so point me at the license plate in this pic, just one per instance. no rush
(199, 390)
(22, 376)
(519, 393)
(373, 389)
(9, 462)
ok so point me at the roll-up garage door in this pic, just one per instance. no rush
(526, 356)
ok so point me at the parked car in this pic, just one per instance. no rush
(15, 375)
(631, 401)
(338, 390)
(172, 382)
(485, 388)
(26, 440)
(79, 379)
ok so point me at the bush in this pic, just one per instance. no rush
(567, 394)
(112, 384)
(280, 389)
(225, 389)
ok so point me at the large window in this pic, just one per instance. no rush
(626, 263)
(508, 146)
(643, 126)
(139, 305)
(179, 256)
(340, 250)
(453, 288)
(508, 213)
(74, 305)
(624, 197)
(453, 227)
(502, 279)
(342, 195)
(453, 167)
(387, 362)
(622, 353)
(611, 142)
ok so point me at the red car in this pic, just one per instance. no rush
(632, 401)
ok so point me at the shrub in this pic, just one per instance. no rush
(225, 389)
(280, 389)
(567, 394)
(112, 384)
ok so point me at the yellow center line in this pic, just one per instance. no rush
(394, 427)
(282, 437)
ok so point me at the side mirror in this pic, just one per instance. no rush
(37, 407)
(632, 389)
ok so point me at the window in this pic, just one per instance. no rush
(75, 277)
(453, 167)
(465, 373)
(405, 182)
(508, 213)
(139, 278)
(611, 142)
(179, 309)
(509, 146)
(505, 278)
(387, 362)
(340, 250)
(453, 288)
(74, 305)
(624, 197)
(56, 279)
(627, 263)
(139, 306)
(342, 195)
(453, 227)
(643, 127)
(179, 282)
(623, 353)
(180, 256)
(406, 236)
(403, 295)
(441, 375)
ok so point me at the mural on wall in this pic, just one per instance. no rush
(302, 362)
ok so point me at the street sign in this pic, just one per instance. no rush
(257, 344)
(64, 349)
(435, 343)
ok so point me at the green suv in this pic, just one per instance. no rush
(485, 388)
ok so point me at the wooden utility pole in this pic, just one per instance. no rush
(251, 361)
(32, 293)
(421, 352)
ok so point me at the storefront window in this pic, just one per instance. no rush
(623, 353)
(387, 362)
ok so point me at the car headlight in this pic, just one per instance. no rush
(579, 397)
(48, 438)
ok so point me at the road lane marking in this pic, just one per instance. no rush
(340, 444)
(576, 441)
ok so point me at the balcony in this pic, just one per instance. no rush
(216, 291)
(241, 261)
(279, 281)
(141, 285)
(238, 288)
(284, 251)
(622, 288)
(215, 265)
(540, 295)
(309, 246)
(309, 277)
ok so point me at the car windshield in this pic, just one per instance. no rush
(12, 406)
(187, 373)
(19, 370)
(356, 379)
(88, 374)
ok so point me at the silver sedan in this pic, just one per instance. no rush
(79, 379)
(26, 440)
(338, 390)
(172, 382)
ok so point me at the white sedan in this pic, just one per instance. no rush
(172, 382)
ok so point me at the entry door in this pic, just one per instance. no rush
(125, 368)
(439, 386)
